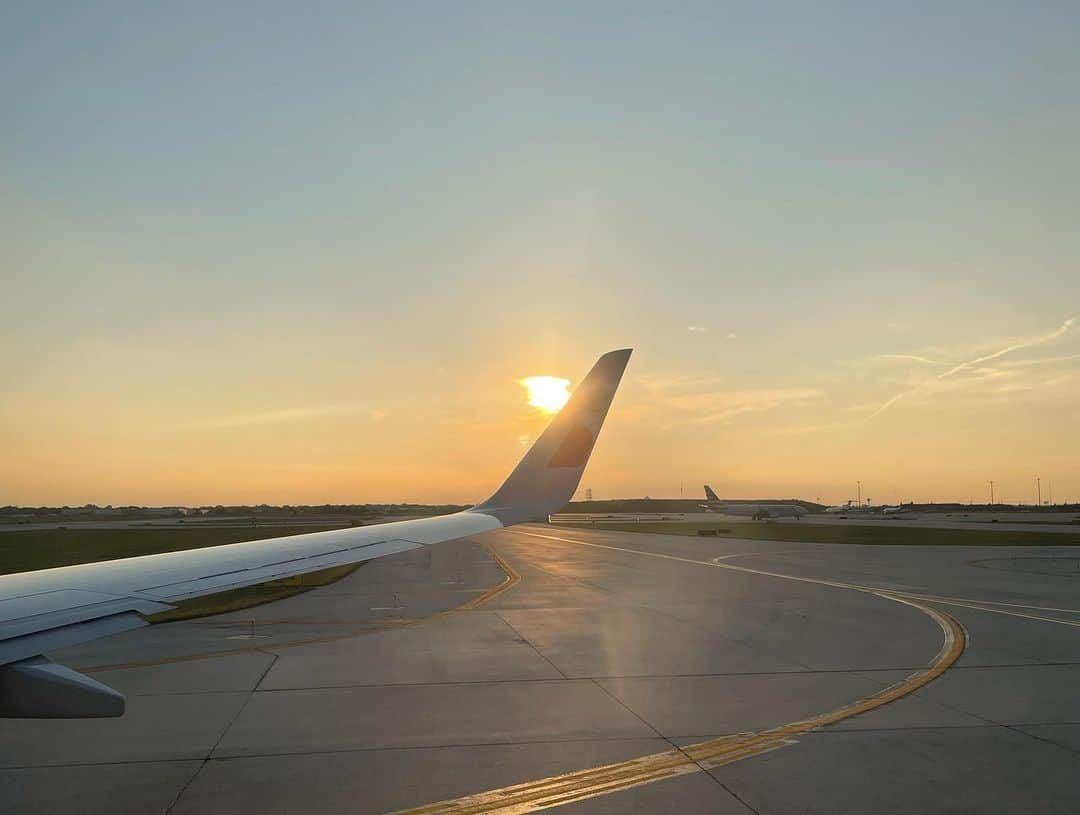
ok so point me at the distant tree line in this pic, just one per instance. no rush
(93, 511)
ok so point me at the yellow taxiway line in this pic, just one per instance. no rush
(558, 790)
(512, 579)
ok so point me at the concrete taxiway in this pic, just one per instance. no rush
(1059, 523)
(598, 672)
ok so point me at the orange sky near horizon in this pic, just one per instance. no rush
(452, 436)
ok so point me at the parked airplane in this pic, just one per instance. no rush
(852, 508)
(53, 608)
(755, 510)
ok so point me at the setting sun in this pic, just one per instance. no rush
(548, 393)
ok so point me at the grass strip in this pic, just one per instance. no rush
(248, 596)
(26, 551)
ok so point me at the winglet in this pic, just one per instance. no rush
(546, 478)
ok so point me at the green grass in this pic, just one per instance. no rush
(49, 548)
(872, 535)
(239, 599)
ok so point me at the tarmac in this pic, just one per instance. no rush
(1058, 523)
(596, 672)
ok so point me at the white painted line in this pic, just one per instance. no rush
(977, 605)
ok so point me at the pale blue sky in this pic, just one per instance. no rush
(262, 207)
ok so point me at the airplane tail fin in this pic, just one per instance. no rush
(709, 494)
(546, 478)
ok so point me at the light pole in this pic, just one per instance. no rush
(991, 492)
(1038, 489)
(858, 485)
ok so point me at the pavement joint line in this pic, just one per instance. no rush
(345, 751)
(597, 781)
(1017, 729)
(607, 692)
(224, 731)
(866, 673)
(512, 579)
(737, 797)
(531, 645)
(331, 751)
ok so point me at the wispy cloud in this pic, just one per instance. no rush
(1028, 343)
(1026, 363)
(977, 370)
(699, 399)
(890, 402)
(290, 415)
(660, 385)
(913, 358)
(1010, 387)
(722, 406)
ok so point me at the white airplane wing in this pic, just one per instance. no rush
(52, 608)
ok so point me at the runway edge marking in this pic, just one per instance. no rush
(558, 790)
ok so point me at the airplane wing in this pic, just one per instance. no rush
(53, 608)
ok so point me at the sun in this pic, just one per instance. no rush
(548, 393)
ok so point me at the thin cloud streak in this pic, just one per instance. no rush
(914, 358)
(290, 415)
(888, 404)
(695, 399)
(1024, 363)
(1053, 335)
(986, 373)
(723, 406)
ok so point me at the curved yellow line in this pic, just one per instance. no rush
(576, 786)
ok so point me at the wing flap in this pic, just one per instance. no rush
(63, 635)
(54, 609)
(238, 578)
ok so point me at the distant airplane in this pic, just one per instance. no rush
(755, 510)
(855, 509)
(53, 608)
(850, 506)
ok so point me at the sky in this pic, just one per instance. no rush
(259, 252)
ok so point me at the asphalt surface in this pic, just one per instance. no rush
(1059, 523)
(375, 694)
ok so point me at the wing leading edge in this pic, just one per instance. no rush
(53, 608)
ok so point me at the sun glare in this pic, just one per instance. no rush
(548, 393)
